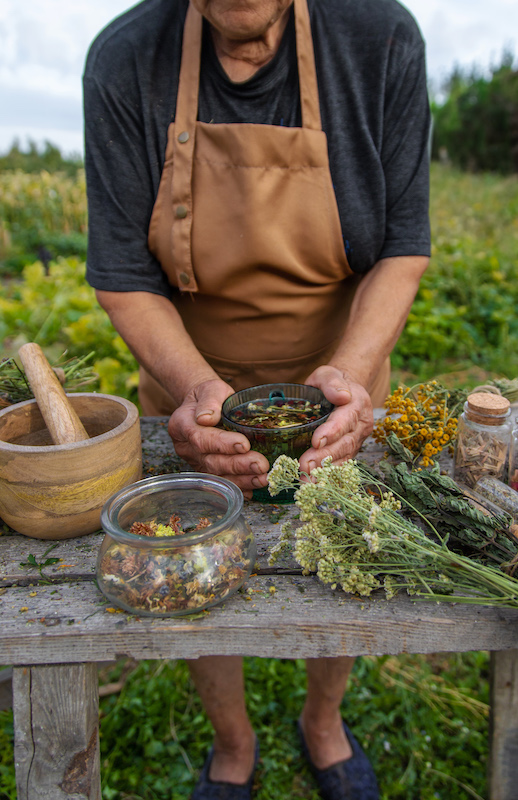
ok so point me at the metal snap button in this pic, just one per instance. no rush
(181, 212)
(184, 278)
(183, 137)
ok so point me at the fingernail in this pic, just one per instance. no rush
(322, 442)
(312, 465)
(239, 447)
(344, 389)
(254, 467)
(257, 482)
(208, 413)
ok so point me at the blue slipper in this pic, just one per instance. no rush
(353, 779)
(206, 789)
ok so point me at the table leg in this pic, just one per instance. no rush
(56, 724)
(503, 757)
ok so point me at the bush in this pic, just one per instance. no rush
(58, 310)
(477, 125)
(42, 216)
(49, 159)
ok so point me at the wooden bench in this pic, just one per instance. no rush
(56, 628)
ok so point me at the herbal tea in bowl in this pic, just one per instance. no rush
(174, 545)
(277, 418)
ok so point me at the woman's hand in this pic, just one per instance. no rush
(205, 447)
(342, 435)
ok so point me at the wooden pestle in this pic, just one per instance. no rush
(60, 418)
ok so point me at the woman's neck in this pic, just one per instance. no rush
(241, 59)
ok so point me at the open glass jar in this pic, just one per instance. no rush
(207, 557)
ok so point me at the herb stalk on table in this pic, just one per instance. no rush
(358, 539)
(440, 501)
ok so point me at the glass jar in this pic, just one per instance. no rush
(483, 437)
(513, 460)
(208, 556)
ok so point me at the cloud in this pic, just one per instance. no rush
(43, 45)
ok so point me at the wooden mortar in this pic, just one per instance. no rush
(57, 491)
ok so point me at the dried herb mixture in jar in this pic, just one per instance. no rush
(483, 438)
(175, 579)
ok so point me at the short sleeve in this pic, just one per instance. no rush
(405, 158)
(122, 172)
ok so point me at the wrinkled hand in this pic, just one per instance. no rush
(341, 436)
(197, 440)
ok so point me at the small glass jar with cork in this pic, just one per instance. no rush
(483, 438)
(513, 459)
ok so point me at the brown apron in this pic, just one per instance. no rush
(246, 226)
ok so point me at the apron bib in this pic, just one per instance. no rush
(246, 227)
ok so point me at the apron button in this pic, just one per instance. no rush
(184, 278)
(181, 212)
(183, 137)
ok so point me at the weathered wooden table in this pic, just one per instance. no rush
(55, 628)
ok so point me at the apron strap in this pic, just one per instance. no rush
(185, 127)
(183, 150)
(310, 106)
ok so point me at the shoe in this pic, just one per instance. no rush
(206, 789)
(353, 779)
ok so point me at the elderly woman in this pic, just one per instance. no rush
(258, 209)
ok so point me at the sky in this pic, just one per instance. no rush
(43, 45)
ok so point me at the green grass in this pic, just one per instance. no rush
(423, 721)
(464, 315)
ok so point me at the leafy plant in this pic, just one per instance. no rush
(42, 215)
(464, 315)
(40, 565)
(58, 310)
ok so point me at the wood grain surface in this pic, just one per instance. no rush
(56, 720)
(60, 615)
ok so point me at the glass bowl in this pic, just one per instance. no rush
(280, 406)
(288, 439)
(210, 555)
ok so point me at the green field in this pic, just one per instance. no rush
(423, 719)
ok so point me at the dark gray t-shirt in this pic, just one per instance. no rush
(370, 65)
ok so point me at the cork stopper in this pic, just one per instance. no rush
(487, 408)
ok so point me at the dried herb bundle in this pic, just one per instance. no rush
(422, 417)
(358, 539)
(427, 494)
(507, 388)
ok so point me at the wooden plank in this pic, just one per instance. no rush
(56, 720)
(299, 618)
(503, 726)
(77, 557)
